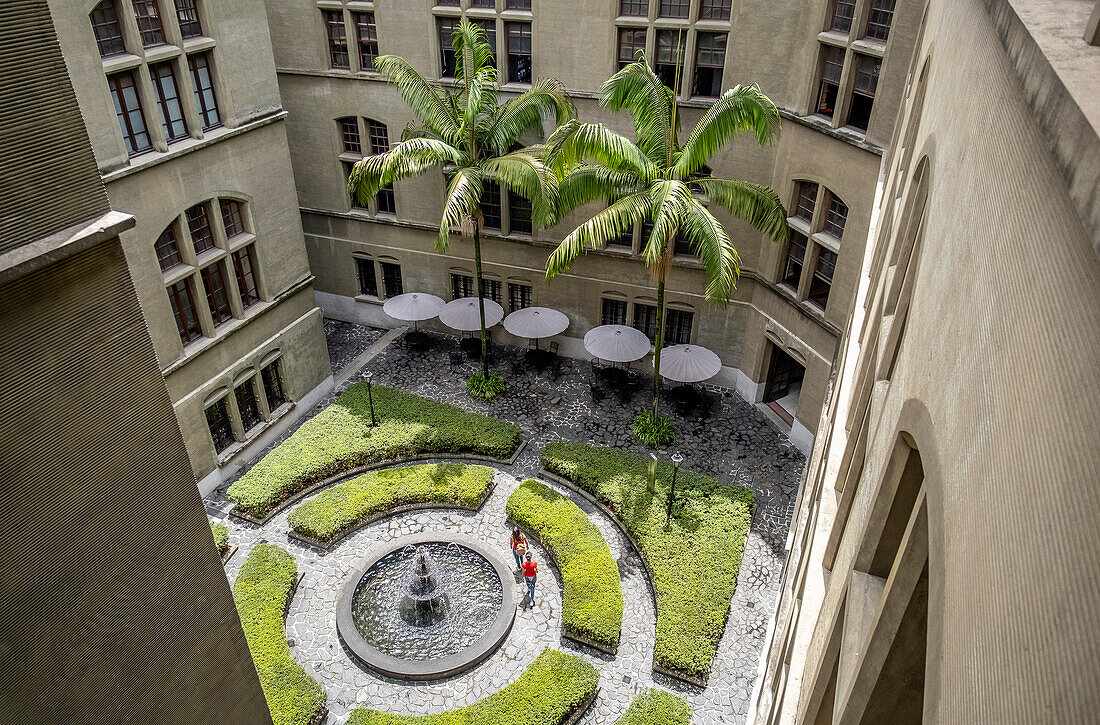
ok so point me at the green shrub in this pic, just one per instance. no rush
(656, 707)
(547, 693)
(592, 599)
(693, 559)
(654, 431)
(485, 388)
(341, 438)
(348, 505)
(221, 537)
(261, 592)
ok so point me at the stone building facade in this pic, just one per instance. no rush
(183, 110)
(943, 561)
(836, 70)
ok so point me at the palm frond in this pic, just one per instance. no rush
(585, 184)
(756, 204)
(463, 201)
(712, 245)
(637, 89)
(524, 113)
(525, 174)
(615, 220)
(414, 156)
(595, 143)
(670, 200)
(738, 110)
(480, 92)
(472, 52)
(430, 104)
(366, 178)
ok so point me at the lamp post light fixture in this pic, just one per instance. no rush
(370, 398)
(677, 459)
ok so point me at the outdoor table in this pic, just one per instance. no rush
(684, 396)
(417, 340)
(613, 376)
(539, 359)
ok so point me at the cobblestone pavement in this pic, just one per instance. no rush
(346, 341)
(737, 445)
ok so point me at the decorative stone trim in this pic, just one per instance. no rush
(323, 712)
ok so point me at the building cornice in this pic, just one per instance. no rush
(27, 258)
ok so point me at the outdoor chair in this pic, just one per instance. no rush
(597, 392)
(553, 348)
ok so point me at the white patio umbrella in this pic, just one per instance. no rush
(463, 314)
(689, 363)
(536, 322)
(617, 343)
(413, 306)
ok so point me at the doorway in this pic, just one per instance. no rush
(783, 384)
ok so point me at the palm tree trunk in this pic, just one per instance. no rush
(657, 345)
(481, 300)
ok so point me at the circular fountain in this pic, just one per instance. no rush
(427, 607)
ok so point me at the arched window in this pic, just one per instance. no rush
(107, 29)
(817, 221)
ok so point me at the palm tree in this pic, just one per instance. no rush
(658, 179)
(464, 130)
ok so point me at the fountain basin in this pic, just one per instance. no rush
(481, 573)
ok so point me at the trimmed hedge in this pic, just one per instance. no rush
(554, 687)
(694, 559)
(347, 506)
(340, 438)
(221, 537)
(592, 598)
(656, 707)
(261, 592)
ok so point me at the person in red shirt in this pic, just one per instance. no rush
(530, 575)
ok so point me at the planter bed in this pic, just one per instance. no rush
(656, 707)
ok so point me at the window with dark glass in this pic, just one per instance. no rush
(216, 293)
(447, 28)
(337, 39)
(863, 91)
(273, 385)
(831, 70)
(349, 134)
(490, 205)
(624, 240)
(681, 245)
(387, 202)
(645, 319)
(519, 52)
(519, 213)
(348, 166)
(517, 4)
(244, 266)
(878, 21)
(710, 57)
(168, 100)
(379, 137)
(673, 8)
(203, 81)
(168, 248)
(447, 3)
(493, 290)
(183, 309)
(221, 431)
(232, 218)
(462, 285)
(368, 281)
(491, 4)
(489, 27)
(128, 110)
(796, 253)
(147, 13)
(613, 312)
(107, 29)
(807, 197)
(631, 43)
(247, 405)
(391, 279)
(198, 223)
(823, 278)
(670, 56)
(677, 327)
(187, 12)
(715, 9)
(636, 8)
(519, 296)
(843, 12)
(835, 217)
(366, 35)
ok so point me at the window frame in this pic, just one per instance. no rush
(520, 31)
(116, 43)
(716, 71)
(164, 101)
(611, 316)
(520, 296)
(194, 222)
(367, 47)
(125, 114)
(179, 292)
(224, 434)
(152, 34)
(174, 257)
(273, 403)
(206, 97)
(248, 287)
(367, 276)
(336, 35)
(188, 7)
(217, 292)
(391, 274)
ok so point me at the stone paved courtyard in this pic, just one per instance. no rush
(736, 444)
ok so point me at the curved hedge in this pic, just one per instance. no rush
(656, 707)
(693, 560)
(340, 438)
(553, 688)
(336, 510)
(592, 596)
(261, 592)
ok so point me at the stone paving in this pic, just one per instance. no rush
(346, 341)
(736, 444)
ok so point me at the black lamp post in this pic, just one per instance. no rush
(677, 459)
(370, 397)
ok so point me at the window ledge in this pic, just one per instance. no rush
(515, 87)
(241, 240)
(813, 309)
(633, 20)
(673, 23)
(198, 42)
(161, 52)
(516, 14)
(712, 25)
(369, 300)
(869, 46)
(180, 271)
(834, 38)
(254, 432)
(360, 5)
(825, 125)
(210, 256)
(799, 225)
(350, 157)
(828, 241)
(123, 61)
(330, 4)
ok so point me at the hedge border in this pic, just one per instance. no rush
(637, 701)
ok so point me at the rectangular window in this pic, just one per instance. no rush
(493, 290)
(183, 309)
(624, 240)
(244, 265)
(378, 136)
(216, 293)
(232, 218)
(878, 22)
(490, 205)
(491, 4)
(843, 12)
(673, 8)
(489, 27)
(681, 246)
(147, 13)
(517, 4)
(447, 3)
(337, 39)
(645, 319)
(168, 248)
(796, 254)
(198, 223)
(823, 278)
(863, 92)
(677, 327)
(366, 34)
(715, 9)
(613, 312)
(107, 30)
(835, 217)
(391, 279)
(634, 8)
(462, 286)
(273, 385)
(246, 404)
(447, 28)
(128, 110)
(831, 70)
(710, 57)
(631, 43)
(203, 81)
(188, 14)
(387, 202)
(168, 100)
(670, 55)
(519, 213)
(807, 197)
(221, 432)
(368, 281)
(519, 52)
(519, 296)
(349, 134)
